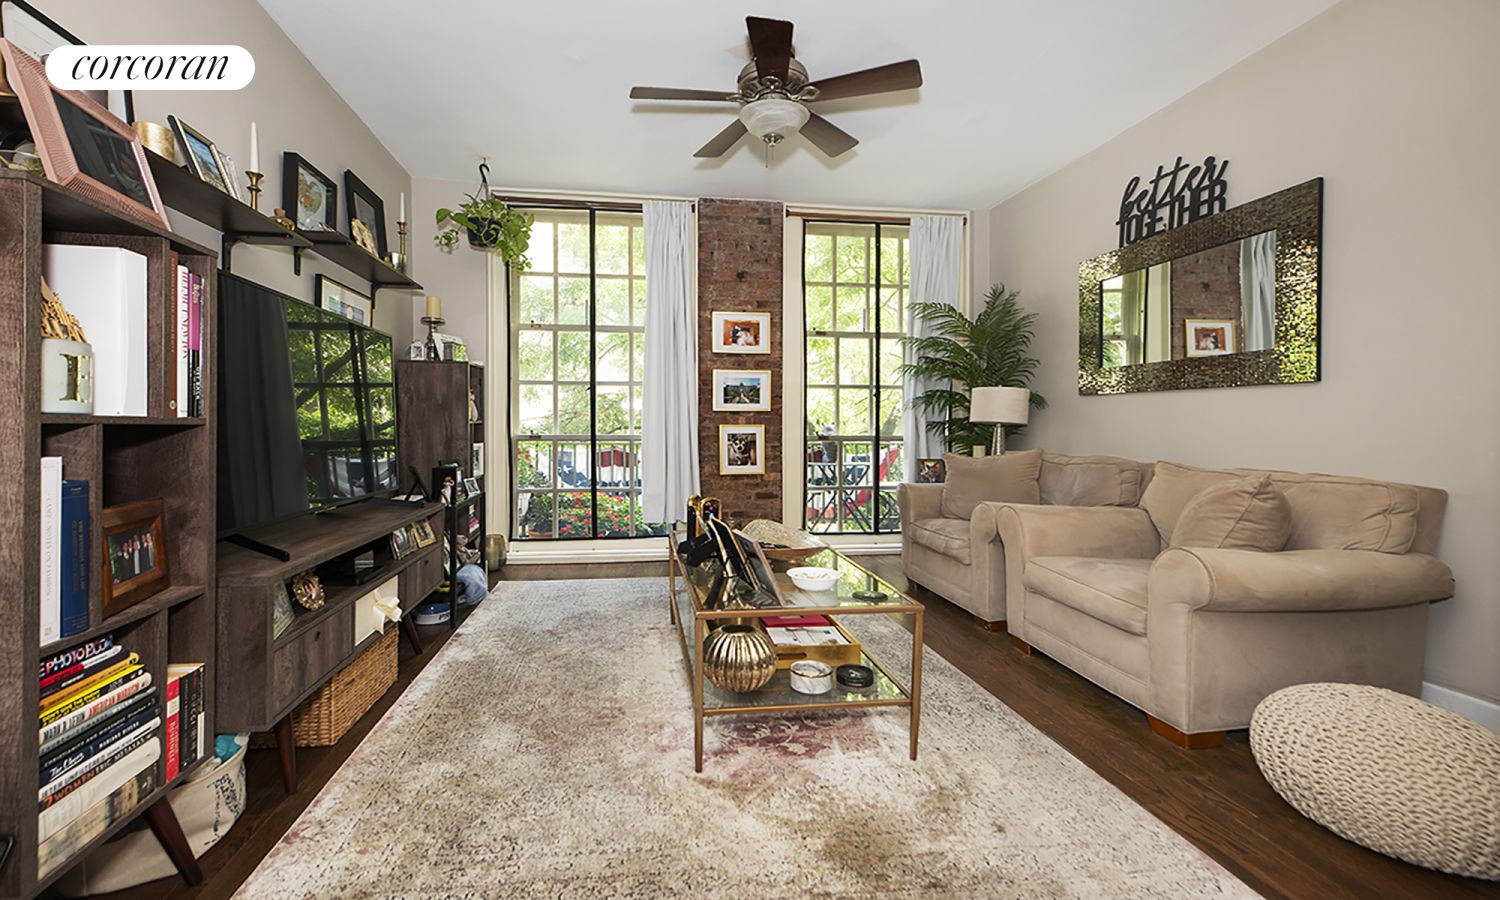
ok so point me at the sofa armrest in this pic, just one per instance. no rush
(1248, 581)
(1114, 532)
(919, 501)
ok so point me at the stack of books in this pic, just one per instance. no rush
(185, 393)
(101, 728)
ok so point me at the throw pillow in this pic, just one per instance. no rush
(1172, 486)
(1244, 514)
(1007, 478)
(1089, 480)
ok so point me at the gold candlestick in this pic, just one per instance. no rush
(255, 178)
(401, 227)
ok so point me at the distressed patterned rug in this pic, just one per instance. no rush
(548, 752)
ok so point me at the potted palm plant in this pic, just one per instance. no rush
(490, 223)
(960, 354)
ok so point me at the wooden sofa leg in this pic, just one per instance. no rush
(1021, 645)
(990, 626)
(1201, 741)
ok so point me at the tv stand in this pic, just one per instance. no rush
(250, 543)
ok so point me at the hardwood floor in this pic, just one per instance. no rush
(1215, 798)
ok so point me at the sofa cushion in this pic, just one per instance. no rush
(949, 537)
(1333, 513)
(1110, 590)
(1089, 480)
(1007, 478)
(1172, 488)
(1248, 513)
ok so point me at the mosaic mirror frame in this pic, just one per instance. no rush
(1296, 215)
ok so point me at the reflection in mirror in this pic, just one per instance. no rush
(1149, 314)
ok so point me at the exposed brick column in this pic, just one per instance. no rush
(739, 270)
(1211, 280)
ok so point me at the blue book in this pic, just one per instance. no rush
(75, 557)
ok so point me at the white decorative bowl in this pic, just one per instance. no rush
(811, 578)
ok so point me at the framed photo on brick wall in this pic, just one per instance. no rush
(742, 390)
(742, 332)
(742, 449)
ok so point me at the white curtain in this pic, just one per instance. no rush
(669, 405)
(937, 253)
(1258, 289)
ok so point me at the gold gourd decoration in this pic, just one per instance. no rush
(739, 657)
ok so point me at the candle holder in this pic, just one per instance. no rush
(255, 178)
(401, 229)
(432, 348)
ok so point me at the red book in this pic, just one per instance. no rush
(174, 743)
(795, 621)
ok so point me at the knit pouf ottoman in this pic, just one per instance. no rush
(1388, 771)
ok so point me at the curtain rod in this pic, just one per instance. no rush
(856, 216)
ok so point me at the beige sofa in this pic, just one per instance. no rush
(953, 548)
(1224, 586)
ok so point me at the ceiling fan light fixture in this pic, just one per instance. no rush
(773, 118)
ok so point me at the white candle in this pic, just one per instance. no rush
(254, 150)
(402, 218)
(434, 307)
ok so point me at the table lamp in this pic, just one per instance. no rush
(999, 406)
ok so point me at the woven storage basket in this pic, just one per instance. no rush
(323, 718)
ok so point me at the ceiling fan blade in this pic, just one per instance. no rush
(656, 93)
(899, 76)
(725, 139)
(827, 136)
(771, 45)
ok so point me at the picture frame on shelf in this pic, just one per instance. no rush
(134, 555)
(476, 468)
(282, 613)
(203, 157)
(309, 197)
(931, 471)
(84, 146)
(744, 390)
(36, 35)
(342, 300)
(368, 211)
(402, 542)
(471, 487)
(742, 449)
(422, 530)
(741, 332)
(1209, 337)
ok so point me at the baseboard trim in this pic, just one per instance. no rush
(1485, 712)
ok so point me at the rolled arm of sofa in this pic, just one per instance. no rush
(1248, 581)
(919, 501)
(1113, 532)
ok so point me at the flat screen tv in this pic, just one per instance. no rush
(307, 408)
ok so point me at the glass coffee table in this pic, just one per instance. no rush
(858, 592)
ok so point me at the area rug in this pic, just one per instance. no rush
(548, 752)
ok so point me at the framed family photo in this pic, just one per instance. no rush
(1209, 337)
(742, 389)
(309, 197)
(741, 332)
(135, 554)
(742, 449)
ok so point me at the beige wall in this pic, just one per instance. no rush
(292, 106)
(1394, 104)
(458, 275)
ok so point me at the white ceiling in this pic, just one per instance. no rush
(1013, 89)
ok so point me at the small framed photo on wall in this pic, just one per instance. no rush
(742, 449)
(1209, 337)
(742, 389)
(342, 300)
(742, 332)
(309, 196)
(931, 471)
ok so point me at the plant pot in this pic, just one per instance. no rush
(488, 225)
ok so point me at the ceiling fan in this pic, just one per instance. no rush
(773, 91)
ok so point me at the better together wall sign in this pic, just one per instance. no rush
(1177, 196)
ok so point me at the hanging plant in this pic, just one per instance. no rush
(490, 224)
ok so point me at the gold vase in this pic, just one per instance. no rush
(739, 657)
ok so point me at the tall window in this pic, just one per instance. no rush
(578, 325)
(855, 279)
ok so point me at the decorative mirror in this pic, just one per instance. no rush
(1225, 301)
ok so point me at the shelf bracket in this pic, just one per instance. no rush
(227, 243)
(297, 260)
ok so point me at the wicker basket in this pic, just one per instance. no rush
(324, 717)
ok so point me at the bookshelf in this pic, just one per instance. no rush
(124, 459)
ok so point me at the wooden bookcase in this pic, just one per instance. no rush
(124, 459)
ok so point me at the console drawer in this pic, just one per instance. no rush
(308, 659)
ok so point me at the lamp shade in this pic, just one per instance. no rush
(773, 115)
(992, 405)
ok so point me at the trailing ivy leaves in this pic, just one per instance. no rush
(493, 225)
(962, 354)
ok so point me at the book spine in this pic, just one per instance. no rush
(63, 679)
(77, 718)
(71, 838)
(103, 676)
(195, 345)
(173, 732)
(83, 652)
(180, 333)
(53, 818)
(50, 596)
(99, 739)
(89, 699)
(76, 737)
(75, 557)
(54, 791)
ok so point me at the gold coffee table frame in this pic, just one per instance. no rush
(687, 586)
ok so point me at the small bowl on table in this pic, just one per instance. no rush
(812, 578)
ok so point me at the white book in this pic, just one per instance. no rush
(180, 339)
(51, 534)
(105, 287)
(53, 818)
